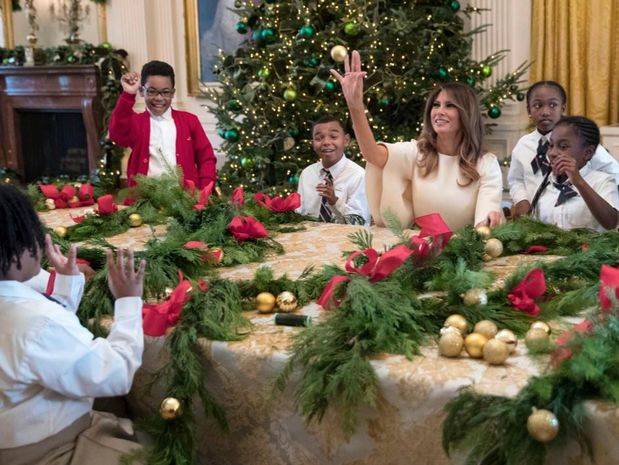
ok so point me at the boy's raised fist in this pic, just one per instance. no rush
(130, 82)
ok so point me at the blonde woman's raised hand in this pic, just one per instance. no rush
(352, 81)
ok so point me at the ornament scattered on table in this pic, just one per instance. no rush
(60, 231)
(543, 425)
(170, 408)
(135, 220)
(474, 345)
(495, 352)
(449, 329)
(537, 340)
(450, 344)
(458, 322)
(265, 302)
(483, 231)
(486, 328)
(541, 325)
(493, 247)
(509, 338)
(286, 301)
(475, 296)
(339, 53)
(50, 204)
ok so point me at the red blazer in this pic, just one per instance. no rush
(194, 152)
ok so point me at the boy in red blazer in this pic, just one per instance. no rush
(161, 137)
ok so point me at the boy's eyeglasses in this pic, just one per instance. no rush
(166, 93)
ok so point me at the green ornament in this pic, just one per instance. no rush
(256, 36)
(264, 72)
(221, 133)
(293, 179)
(71, 59)
(267, 34)
(494, 112)
(106, 45)
(5, 61)
(443, 73)
(520, 96)
(294, 132)
(455, 6)
(290, 95)
(231, 135)
(312, 61)
(306, 31)
(470, 81)
(330, 85)
(233, 105)
(247, 162)
(384, 101)
(486, 70)
(351, 28)
(241, 27)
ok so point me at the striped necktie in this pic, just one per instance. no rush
(540, 162)
(566, 192)
(326, 214)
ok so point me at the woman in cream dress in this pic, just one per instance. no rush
(445, 171)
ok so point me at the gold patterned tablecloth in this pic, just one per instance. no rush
(405, 426)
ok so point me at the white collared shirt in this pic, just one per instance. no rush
(162, 146)
(574, 213)
(523, 183)
(51, 367)
(348, 184)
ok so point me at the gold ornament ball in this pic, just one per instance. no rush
(450, 329)
(483, 231)
(475, 296)
(493, 247)
(286, 301)
(135, 220)
(50, 204)
(543, 425)
(487, 258)
(265, 302)
(60, 231)
(486, 328)
(541, 325)
(458, 322)
(170, 408)
(474, 344)
(495, 352)
(537, 339)
(450, 344)
(339, 53)
(509, 338)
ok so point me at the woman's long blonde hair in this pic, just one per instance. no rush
(471, 132)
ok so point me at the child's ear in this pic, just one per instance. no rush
(347, 139)
(589, 152)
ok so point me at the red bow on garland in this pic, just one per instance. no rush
(106, 205)
(523, 295)
(156, 318)
(207, 253)
(609, 287)
(68, 196)
(278, 204)
(205, 193)
(532, 249)
(432, 226)
(238, 196)
(246, 227)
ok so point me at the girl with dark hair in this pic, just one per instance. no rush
(445, 171)
(575, 194)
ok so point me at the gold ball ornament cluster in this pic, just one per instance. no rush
(50, 204)
(474, 345)
(541, 325)
(486, 328)
(483, 231)
(60, 231)
(475, 296)
(265, 302)
(493, 247)
(170, 408)
(286, 301)
(543, 425)
(339, 53)
(495, 352)
(458, 322)
(450, 344)
(135, 220)
(537, 339)
(509, 338)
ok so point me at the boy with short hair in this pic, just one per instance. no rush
(161, 137)
(333, 189)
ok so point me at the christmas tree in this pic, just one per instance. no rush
(278, 81)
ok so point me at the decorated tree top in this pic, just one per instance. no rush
(278, 81)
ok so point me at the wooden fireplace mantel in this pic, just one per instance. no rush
(48, 88)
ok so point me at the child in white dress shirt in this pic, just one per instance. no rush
(546, 102)
(575, 194)
(51, 367)
(333, 189)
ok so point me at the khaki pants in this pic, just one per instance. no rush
(94, 439)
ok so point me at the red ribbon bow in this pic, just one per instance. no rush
(106, 205)
(205, 193)
(532, 249)
(156, 318)
(65, 198)
(609, 286)
(246, 227)
(278, 204)
(238, 196)
(208, 254)
(523, 295)
(432, 226)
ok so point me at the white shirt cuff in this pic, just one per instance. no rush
(127, 308)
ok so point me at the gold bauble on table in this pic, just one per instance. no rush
(486, 328)
(170, 408)
(474, 344)
(135, 220)
(487, 258)
(339, 53)
(541, 325)
(265, 302)
(493, 247)
(495, 352)
(537, 339)
(450, 329)
(286, 301)
(543, 425)
(509, 338)
(50, 204)
(483, 231)
(450, 344)
(458, 322)
(475, 296)
(60, 231)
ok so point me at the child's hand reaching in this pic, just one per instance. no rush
(123, 279)
(130, 82)
(326, 190)
(63, 265)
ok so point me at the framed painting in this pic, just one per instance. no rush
(210, 27)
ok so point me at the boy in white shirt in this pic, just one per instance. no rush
(51, 367)
(546, 102)
(333, 189)
(574, 194)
